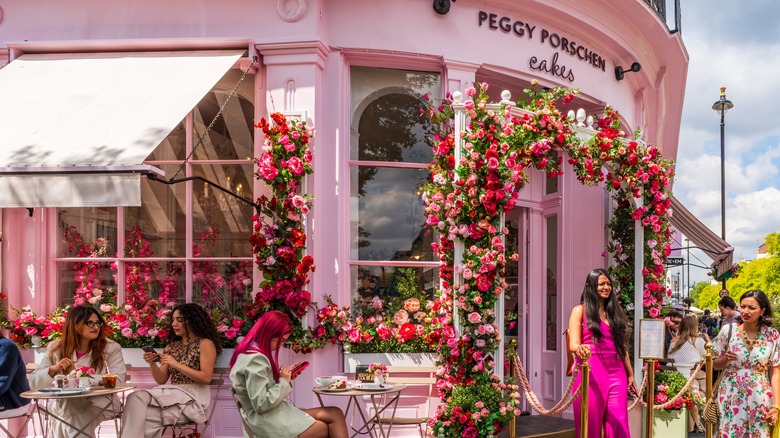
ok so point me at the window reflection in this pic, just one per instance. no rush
(393, 285)
(389, 223)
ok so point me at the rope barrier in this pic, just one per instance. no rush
(568, 396)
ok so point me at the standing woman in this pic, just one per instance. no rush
(748, 395)
(597, 329)
(188, 360)
(687, 349)
(83, 343)
(261, 386)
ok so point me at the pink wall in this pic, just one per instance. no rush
(305, 66)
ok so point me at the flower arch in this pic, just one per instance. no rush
(477, 178)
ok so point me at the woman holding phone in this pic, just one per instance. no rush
(188, 361)
(261, 386)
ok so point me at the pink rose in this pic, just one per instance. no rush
(401, 317)
(474, 317)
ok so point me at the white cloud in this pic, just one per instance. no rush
(731, 46)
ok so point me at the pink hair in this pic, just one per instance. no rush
(272, 325)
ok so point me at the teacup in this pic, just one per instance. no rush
(339, 378)
(324, 380)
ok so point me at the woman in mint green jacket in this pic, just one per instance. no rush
(261, 387)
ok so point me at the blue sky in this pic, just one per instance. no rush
(736, 45)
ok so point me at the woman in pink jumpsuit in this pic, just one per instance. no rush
(597, 329)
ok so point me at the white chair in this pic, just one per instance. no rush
(413, 377)
(18, 413)
(247, 429)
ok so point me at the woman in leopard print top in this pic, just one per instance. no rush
(188, 361)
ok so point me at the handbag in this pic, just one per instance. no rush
(710, 412)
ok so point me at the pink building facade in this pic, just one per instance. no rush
(357, 71)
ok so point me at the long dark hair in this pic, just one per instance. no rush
(272, 325)
(617, 318)
(77, 317)
(689, 332)
(197, 322)
(763, 302)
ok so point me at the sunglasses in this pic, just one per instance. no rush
(93, 324)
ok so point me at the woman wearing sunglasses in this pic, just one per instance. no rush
(83, 344)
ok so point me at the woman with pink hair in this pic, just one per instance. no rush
(261, 386)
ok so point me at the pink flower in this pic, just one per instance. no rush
(401, 317)
(474, 317)
(127, 332)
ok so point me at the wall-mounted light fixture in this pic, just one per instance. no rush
(442, 6)
(619, 72)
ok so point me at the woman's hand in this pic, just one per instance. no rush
(771, 415)
(632, 388)
(61, 367)
(167, 359)
(730, 357)
(150, 358)
(583, 351)
(284, 373)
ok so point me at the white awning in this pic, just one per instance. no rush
(721, 253)
(92, 119)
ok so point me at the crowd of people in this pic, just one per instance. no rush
(183, 371)
(746, 350)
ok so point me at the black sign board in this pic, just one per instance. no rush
(675, 261)
(362, 374)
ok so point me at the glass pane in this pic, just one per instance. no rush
(552, 283)
(393, 285)
(174, 147)
(160, 218)
(386, 121)
(160, 281)
(224, 289)
(92, 281)
(232, 136)
(219, 218)
(387, 215)
(87, 232)
(511, 305)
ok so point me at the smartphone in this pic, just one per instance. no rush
(297, 368)
(149, 349)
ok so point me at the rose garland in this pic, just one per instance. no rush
(465, 202)
(279, 240)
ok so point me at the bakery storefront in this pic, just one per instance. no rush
(128, 145)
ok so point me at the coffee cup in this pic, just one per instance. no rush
(339, 378)
(109, 381)
(324, 380)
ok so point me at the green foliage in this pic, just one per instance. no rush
(391, 345)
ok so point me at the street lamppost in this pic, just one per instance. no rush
(722, 105)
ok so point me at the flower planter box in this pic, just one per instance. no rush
(135, 357)
(668, 423)
(391, 359)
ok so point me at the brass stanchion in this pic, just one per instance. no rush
(708, 387)
(650, 397)
(513, 372)
(584, 384)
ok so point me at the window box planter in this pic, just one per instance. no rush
(390, 359)
(668, 423)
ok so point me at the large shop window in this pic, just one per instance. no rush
(390, 246)
(187, 241)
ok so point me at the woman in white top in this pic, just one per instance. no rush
(687, 349)
(83, 343)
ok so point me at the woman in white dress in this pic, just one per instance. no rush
(83, 343)
(687, 349)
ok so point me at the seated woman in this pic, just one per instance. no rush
(188, 360)
(13, 380)
(83, 343)
(261, 386)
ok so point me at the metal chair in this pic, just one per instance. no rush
(27, 414)
(413, 376)
(178, 429)
(247, 429)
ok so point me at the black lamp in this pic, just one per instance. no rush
(721, 106)
(442, 6)
(619, 71)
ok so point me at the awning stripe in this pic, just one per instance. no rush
(721, 253)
